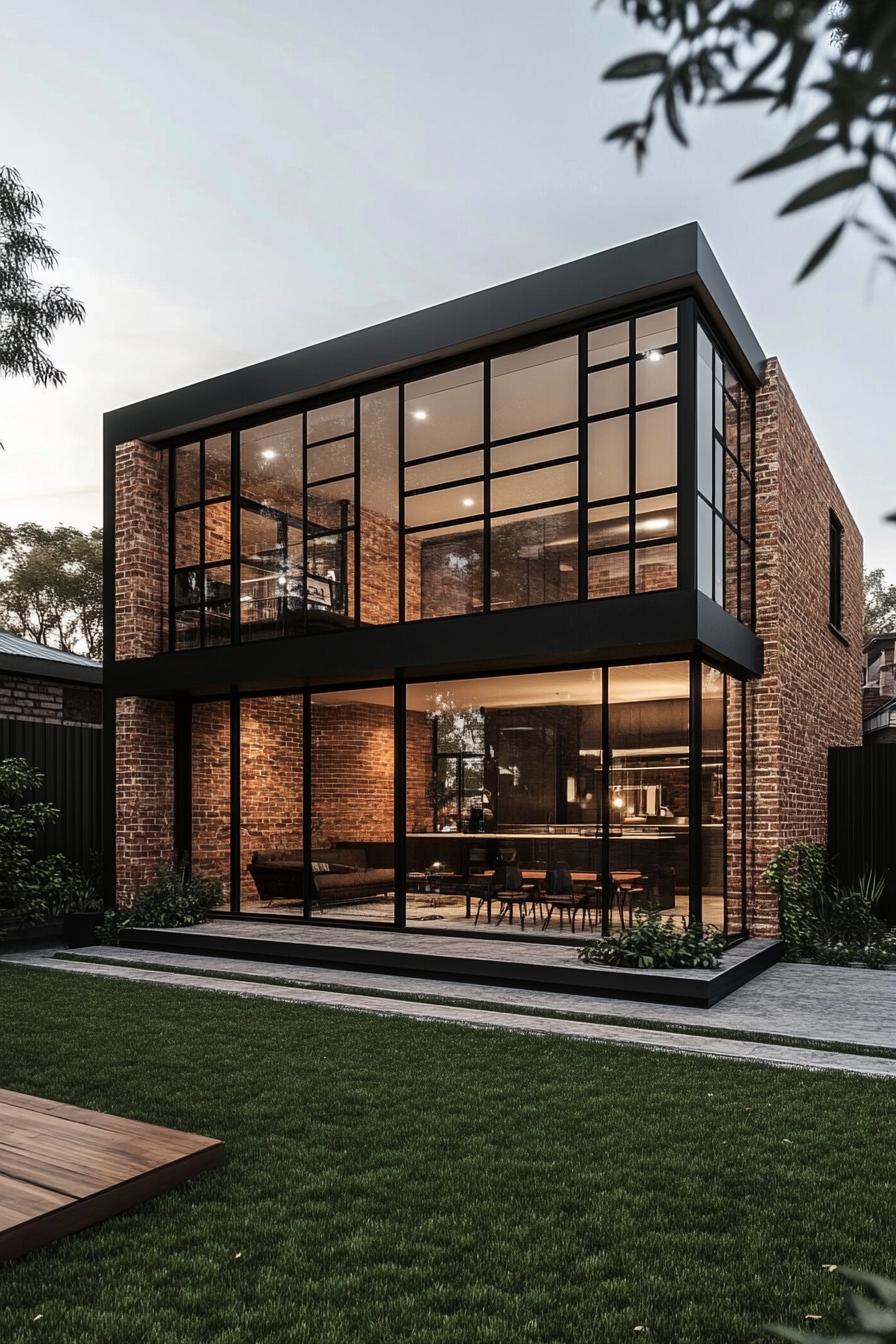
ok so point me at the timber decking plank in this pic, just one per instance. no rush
(63, 1168)
(98, 1119)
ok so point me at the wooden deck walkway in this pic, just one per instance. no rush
(63, 1168)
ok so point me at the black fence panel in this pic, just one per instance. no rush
(862, 815)
(70, 758)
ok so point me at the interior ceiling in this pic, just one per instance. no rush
(628, 685)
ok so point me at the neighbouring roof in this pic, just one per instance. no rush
(28, 658)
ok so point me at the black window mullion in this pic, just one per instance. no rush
(695, 799)
(235, 552)
(487, 485)
(202, 542)
(172, 518)
(583, 465)
(686, 547)
(606, 876)
(632, 454)
(304, 536)
(236, 867)
(402, 603)
(307, 786)
(357, 514)
(399, 748)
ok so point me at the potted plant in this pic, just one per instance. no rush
(70, 894)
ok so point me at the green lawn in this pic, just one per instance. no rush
(392, 1180)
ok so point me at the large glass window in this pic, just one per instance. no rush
(633, 456)
(724, 482)
(594, 784)
(378, 513)
(649, 742)
(547, 474)
(210, 829)
(503, 771)
(352, 870)
(270, 805)
(535, 775)
(201, 544)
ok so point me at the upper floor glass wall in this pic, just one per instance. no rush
(537, 474)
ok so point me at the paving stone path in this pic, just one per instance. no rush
(159, 968)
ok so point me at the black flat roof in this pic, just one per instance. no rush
(663, 263)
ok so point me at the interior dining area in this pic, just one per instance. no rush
(547, 804)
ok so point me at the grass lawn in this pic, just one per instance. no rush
(390, 1180)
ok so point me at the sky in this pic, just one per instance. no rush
(228, 181)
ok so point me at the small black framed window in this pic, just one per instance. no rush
(835, 572)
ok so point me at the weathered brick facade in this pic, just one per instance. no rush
(808, 698)
(141, 550)
(144, 802)
(37, 700)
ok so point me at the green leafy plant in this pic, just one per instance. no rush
(823, 918)
(173, 900)
(33, 890)
(826, 64)
(872, 1317)
(658, 943)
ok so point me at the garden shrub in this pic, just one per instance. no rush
(658, 943)
(33, 890)
(173, 900)
(825, 919)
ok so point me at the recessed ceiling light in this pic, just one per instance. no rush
(653, 355)
(468, 502)
(419, 415)
(655, 524)
(268, 454)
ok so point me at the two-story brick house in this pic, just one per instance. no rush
(553, 574)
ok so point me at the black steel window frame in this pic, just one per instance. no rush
(202, 567)
(688, 313)
(181, 765)
(835, 573)
(740, 457)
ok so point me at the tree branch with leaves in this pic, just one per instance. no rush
(834, 63)
(30, 309)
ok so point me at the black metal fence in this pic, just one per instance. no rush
(862, 815)
(70, 759)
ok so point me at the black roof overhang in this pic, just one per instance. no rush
(664, 263)
(51, 669)
(649, 626)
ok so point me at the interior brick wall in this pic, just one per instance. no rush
(144, 806)
(809, 697)
(352, 772)
(141, 550)
(210, 780)
(270, 778)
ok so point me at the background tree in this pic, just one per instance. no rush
(880, 604)
(833, 62)
(51, 587)
(30, 310)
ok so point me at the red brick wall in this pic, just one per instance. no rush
(144, 812)
(270, 778)
(30, 698)
(34, 699)
(210, 773)
(141, 550)
(809, 697)
(352, 772)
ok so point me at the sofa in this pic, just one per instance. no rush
(342, 875)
